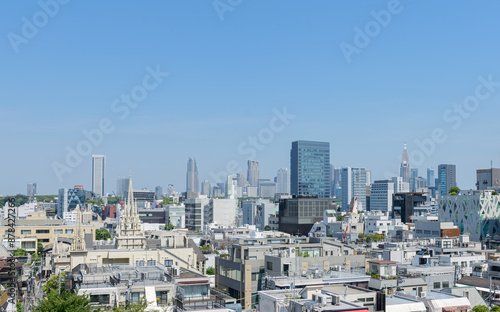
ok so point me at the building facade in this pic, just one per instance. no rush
(192, 182)
(98, 175)
(381, 195)
(310, 168)
(447, 178)
(253, 172)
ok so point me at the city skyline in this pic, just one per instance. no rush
(248, 95)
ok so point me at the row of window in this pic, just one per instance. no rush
(56, 231)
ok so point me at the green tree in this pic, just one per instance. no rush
(361, 237)
(19, 307)
(102, 234)
(167, 201)
(267, 228)
(66, 301)
(206, 249)
(169, 227)
(39, 248)
(495, 309)
(52, 283)
(306, 254)
(113, 200)
(20, 252)
(480, 308)
(495, 193)
(454, 190)
(210, 271)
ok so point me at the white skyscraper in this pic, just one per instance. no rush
(232, 186)
(98, 175)
(381, 195)
(400, 186)
(283, 181)
(354, 181)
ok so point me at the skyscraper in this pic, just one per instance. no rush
(121, 187)
(205, 188)
(31, 190)
(98, 175)
(381, 195)
(354, 182)
(414, 173)
(430, 177)
(158, 192)
(242, 179)
(405, 166)
(192, 183)
(310, 168)
(283, 181)
(253, 172)
(447, 178)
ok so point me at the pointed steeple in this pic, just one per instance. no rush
(130, 235)
(405, 165)
(55, 249)
(78, 239)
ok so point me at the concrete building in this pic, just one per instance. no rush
(488, 179)
(404, 205)
(205, 188)
(283, 181)
(31, 189)
(299, 214)
(221, 212)
(354, 181)
(381, 195)
(253, 172)
(257, 212)
(195, 208)
(176, 215)
(400, 186)
(122, 187)
(267, 189)
(192, 182)
(474, 212)
(99, 175)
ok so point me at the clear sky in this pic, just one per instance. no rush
(229, 69)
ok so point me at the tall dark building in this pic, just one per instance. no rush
(447, 178)
(488, 178)
(192, 182)
(297, 215)
(404, 204)
(310, 168)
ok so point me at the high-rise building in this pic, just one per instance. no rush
(400, 186)
(283, 181)
(158, 192)
(267, 189)
(310, 168)
(253, 172)
(192, 183)
(68, 199)
(231, 187)
(405, 166)
(488, 179)
(381, 195)
(31, 190)
(354, 182)
(205, 188)
(430, 177)
(98, 175)
(297, 217)
(170, 190)
(414, 173)
(122, 187)
(242, 179)
(447, 175)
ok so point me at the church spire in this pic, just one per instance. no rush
(78, 238)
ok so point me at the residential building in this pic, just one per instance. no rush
(195, 208)
(176, 215)
(98, 175)
(404, 204)
(310, 168)
(221, 212)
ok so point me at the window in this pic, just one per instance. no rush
(101, 299)
(69, 231)
(25, 231)
(269, 265)
(437, 285)
(42, 231)
(139, 263)
(369, 299)
(151, 262)
(169, 263)
(162, 297)
(446, 284)
(28, 245)
(45, 240)
(58, 231)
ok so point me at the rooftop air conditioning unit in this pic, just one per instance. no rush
(336, 300)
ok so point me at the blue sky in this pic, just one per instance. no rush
(226, 77)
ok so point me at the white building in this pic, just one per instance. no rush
(98, 175)
(379, 223)
(474, 212)
(283, 181)
(400, 186)
(221, 212)
(381, 195)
